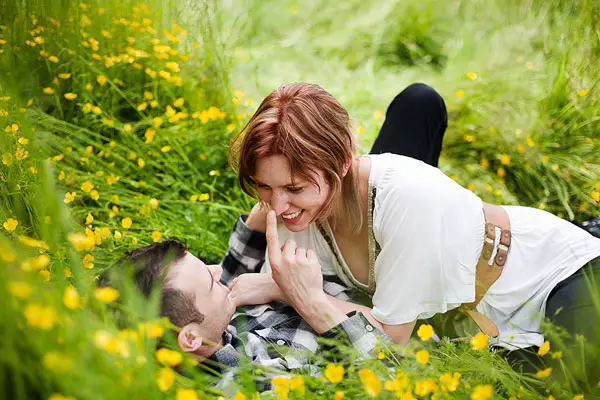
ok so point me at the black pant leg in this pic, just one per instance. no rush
(414, 125)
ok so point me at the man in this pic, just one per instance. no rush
(195, 299)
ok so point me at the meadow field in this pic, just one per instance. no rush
(115, 121)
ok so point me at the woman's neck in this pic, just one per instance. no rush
(361, 167)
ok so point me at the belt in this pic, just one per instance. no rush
(487, 273)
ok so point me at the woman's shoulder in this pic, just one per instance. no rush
(392, 171)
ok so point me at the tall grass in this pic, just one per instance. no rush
(141, 153)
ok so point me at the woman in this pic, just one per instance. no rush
(399, 229)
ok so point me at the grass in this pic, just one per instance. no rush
(521, 86)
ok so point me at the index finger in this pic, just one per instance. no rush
(273, 247)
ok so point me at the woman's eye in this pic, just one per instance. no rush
(295, 189)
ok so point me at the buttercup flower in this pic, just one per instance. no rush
(71, 298)
(422, 356)
(334, 373)
(156, 236)
(186, 394)
(126, 222)
(106, 294)
(425, 332)
(482, 392)
(10, 224)
(371, 382)
(479, 341)
(544, 349)
(543, 373)
(168, 357)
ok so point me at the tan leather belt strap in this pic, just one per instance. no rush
(486, 274)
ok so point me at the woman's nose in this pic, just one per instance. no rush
(279, 203)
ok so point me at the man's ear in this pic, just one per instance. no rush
(346, 166)
(190, 338)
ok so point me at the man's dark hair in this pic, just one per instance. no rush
(151, 266)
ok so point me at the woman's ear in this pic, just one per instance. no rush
(190, 338)
(346, 167)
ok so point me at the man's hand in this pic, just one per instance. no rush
(297, 272)
(252, 289)
(258, 217)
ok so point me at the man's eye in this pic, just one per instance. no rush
(295, 189)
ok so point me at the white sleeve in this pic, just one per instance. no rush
(414, 267)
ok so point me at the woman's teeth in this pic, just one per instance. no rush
(291, 216)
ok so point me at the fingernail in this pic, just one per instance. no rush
(271, 213)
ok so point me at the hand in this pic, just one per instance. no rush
(296, 270)
(258, 217)
(252, 289)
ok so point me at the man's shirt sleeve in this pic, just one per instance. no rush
(246, 251)
(358, 332)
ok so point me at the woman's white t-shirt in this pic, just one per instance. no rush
(430, 231)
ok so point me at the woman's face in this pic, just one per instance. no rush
(296, 203)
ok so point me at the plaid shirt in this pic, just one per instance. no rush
(273, 334)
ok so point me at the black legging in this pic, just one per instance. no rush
(415, 123)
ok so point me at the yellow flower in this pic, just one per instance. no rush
(460, 94)
(71, 298)
(338, 395)
(69, 197)
(156, 236)
(152, 329)
(179, 102)
(505, 159)
(48, 90)
(64, 76)
(88, 261)
(334, 373)
(578, 397)
(450, 381)
(140, 162)
(148, 95)
(45, 275)
(422, 356)
(425, 387)
(126, 222)
(482, 392)
(154, 203)
(281, 385)
(595, 195)
(40, 261)
(94, 195)
(165, 379)
(479, 341)
(70, 96)
(10, 224)
(582, 93)
(89, 219)
(165, 149)
(53, 59)
(7, 159)
(56, 362)
(557, 355)
(142, 106)
(117, 235)
(370, 381)
(543, 373)
(186, 394)
(67, 272)
(472, 76)
(168, 357)
(377, 115)
(101, 79)
(149, 135)
(106, 294)
(87, 186)
(501, 172)
(203, 197)
(544, 349)
(21, 290)
(40, 317)
(297, 383)
(96, 110)
(425, 332)
(157, 122)
(111, 179)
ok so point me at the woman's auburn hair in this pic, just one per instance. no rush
(312, 130)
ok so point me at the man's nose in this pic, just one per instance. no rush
(279, 202)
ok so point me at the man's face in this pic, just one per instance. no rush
(191, 275)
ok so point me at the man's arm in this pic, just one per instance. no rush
(247, 245)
